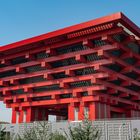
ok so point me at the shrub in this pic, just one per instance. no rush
(136, 134)
(57, 136)
(84, 131)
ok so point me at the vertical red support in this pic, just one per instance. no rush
(29, 115)
(21, 116)
(81, 113)
(71, 115)
(14, 112)
(93, 110)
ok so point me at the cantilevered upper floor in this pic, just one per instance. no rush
(92, 66)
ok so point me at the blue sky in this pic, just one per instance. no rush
(20, 19)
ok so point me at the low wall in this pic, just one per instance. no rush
(111, 129)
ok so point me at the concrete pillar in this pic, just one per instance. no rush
(76, 111)
(17, 116)
(24, 116)
(86, 111)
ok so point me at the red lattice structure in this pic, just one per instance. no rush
(92, 68)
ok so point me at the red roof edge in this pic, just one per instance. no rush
(98, 21)
(130, 24)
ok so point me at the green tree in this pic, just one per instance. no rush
(84, 131)
(2, 133)
(57, 136)
(39, 131)
(136, 134)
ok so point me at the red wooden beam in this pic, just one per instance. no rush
(65, 43)
(58, 92)
(53, 102)
(64, 80)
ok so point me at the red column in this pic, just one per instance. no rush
(29, 115)
(13, 116)
(21, 116)
(81, 112)
(93, 110)
(71, 116)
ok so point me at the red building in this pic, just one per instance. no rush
(91, 68)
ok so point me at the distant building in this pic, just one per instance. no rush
(4, 122)
(91, 68)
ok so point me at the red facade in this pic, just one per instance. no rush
(92, 68)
